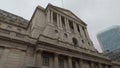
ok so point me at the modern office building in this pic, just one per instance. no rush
(110, 39)
(110, 42)
(53, 38)
(114, 55)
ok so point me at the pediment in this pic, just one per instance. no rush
(65, 11)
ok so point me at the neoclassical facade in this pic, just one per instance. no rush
(53, 38)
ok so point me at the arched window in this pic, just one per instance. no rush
(75, 41)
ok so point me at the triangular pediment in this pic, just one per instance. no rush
(65, 11)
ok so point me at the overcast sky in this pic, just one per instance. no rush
(98, 14)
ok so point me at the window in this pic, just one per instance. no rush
(83, 41)
(19, 29)
(20, 35)
(45, 60)
(61, 63)
(56, 31)
(65, 35)
(55, 19)
(75, 42)
(71, 25)
(88, 43)
(63, 22)
(9, 26)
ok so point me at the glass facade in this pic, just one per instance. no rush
(110, 39)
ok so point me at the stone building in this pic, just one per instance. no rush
(53, 38)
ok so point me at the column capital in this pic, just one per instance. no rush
(39, 51)
(56, 54)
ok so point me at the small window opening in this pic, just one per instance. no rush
(56, 31)
(75, 42)
(65, 35)
(83, 41)
(9, 26)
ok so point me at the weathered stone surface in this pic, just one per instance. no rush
(24, 45)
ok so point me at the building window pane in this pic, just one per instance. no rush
(75, 42)
(9, 26)
(45, 61)
(19, 29)
(61, 63)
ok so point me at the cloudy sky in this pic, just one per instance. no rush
(98, 14)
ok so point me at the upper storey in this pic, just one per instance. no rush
(61, 25)
(9, 21)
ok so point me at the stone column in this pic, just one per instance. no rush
(92, 65)
(69, 62)
(100, 65)
(67, 25)
(58, 20)
(106, 66)
(77, 65)
(48, 16)
(51, 17)
(75, 27)
(81, 63)
(56, 62)
(80, 31)
(87, 35)
(38, 59)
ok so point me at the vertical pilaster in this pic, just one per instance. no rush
(106, 66)
(51, 17)
(38, 60)
(48, 16)
(100, 65)
(75, 28)
(80, 31)
(92, 64)
(69, 62)
(87, 35)
(67, 25)
(81, 63)
(56, 62)
(58, 20)
(77, 65)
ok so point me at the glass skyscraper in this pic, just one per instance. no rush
(109, 39)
